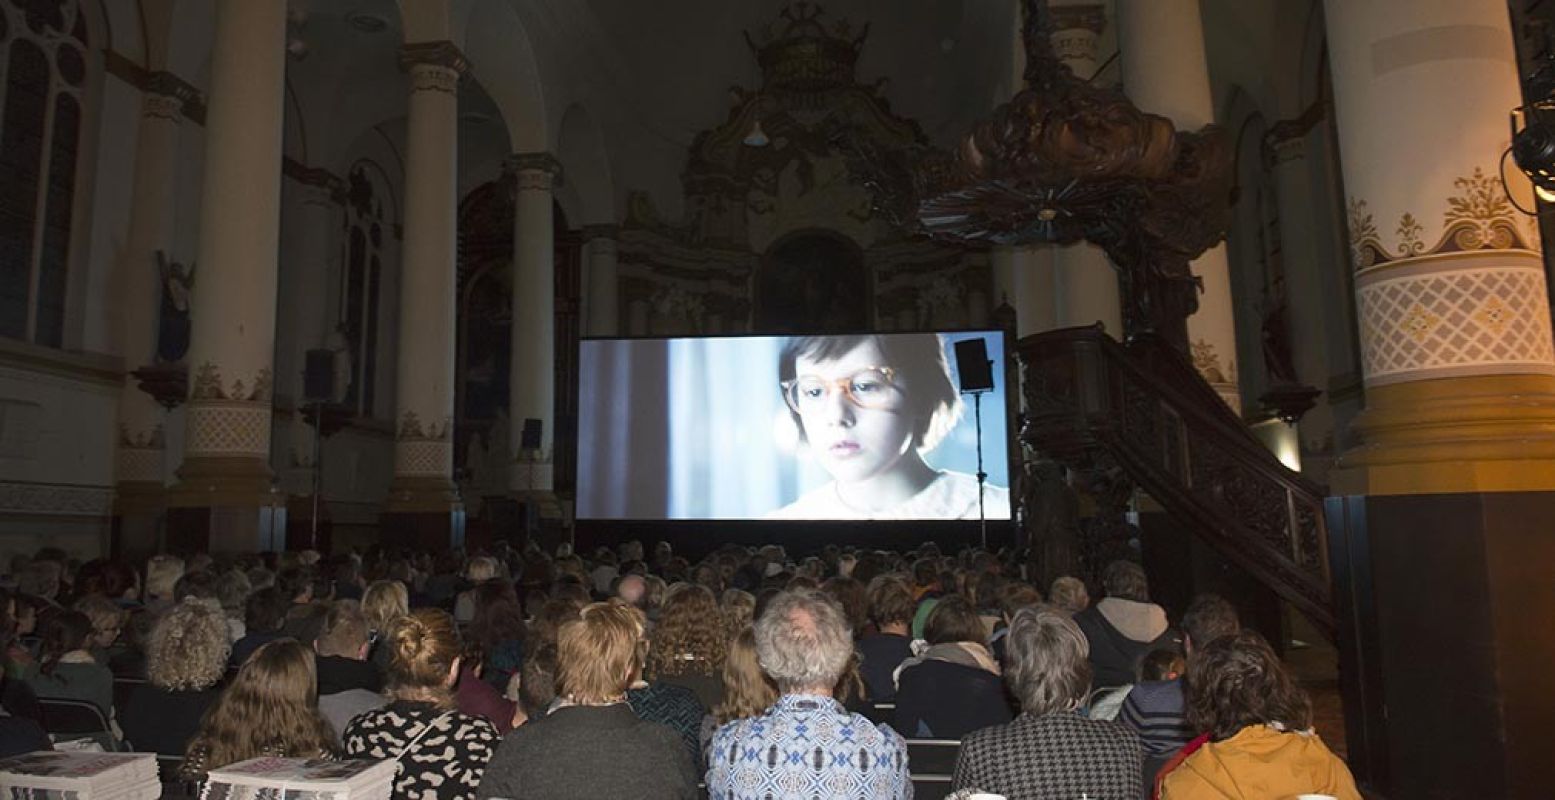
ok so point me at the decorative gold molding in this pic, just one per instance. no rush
(1207, 362)
(208, 385)
(1478, 217)
(413, 430)
(1089, 17)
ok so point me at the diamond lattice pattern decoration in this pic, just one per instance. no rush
(422, 458)
(228, 428)
(1487, 320)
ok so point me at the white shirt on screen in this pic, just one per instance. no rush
(951, 495)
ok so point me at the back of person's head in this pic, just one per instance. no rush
(747, 690)
(188, 647)
(1125, 580)
(481, 568)
(269, 707)
(690, 637)
(925, 572)
(739, 609)
(296, 583)
(803, 641)
(537, 681)
(265, 610)
(345, 631)
(1235, 681)
(233, 591)
(890, 601)
(1069, 593)
(571, 590)
(854, 599)
(954, 620)
(383, 602)
(632, 590)
(983, 590)
(203, 585)
(423, 647)
(106, 616)
(599, 653)
(260, 578)
(1016, 595)
(1161, 664)
(59, 633)
(1208, 618)
(498, 616)
(40, 579)
(305, 622)
(1047, 664)
(162, 572)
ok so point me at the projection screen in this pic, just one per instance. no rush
(779, 427)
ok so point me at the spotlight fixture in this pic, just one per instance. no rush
(1533, 145)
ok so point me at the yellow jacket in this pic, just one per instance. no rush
(1260, 763)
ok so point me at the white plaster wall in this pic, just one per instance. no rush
(112, 189)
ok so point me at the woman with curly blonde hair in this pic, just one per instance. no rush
(689, 643)
(748, 690)
(739, 611)
(186, 656)
(270, 709)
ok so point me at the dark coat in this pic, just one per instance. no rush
(941, 700)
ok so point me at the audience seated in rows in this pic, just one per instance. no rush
(348, 684)
(65, 669)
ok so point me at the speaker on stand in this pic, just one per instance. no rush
(974, 372)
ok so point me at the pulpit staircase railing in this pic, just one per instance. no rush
(1143, 407)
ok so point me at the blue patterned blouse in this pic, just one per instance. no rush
(807, 746)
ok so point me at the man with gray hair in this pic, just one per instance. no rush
(806, 745)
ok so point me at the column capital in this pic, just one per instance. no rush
(1080, 16)
(601, 230)
(534, 170)
(441, 53)
(434, 66)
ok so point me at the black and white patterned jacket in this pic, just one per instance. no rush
(1061, 756)
(445, 764)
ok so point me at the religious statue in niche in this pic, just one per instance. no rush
(1275, 333)
(341, 388)
(173, 323)
(812, 281)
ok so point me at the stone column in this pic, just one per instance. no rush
(1307, 306)
(317, 221)
(1456, 452)
(1165, 72)
(603, 313)
(423, 508)
(139, 460)
(532, 381)
(1085, 285)
(225, 490)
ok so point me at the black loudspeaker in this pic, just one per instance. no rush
(529, 438)
(973, 366)
(318, 376)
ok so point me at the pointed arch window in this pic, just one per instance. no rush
(362, 282)
(43, 46)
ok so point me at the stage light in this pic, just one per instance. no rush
(1533, 143)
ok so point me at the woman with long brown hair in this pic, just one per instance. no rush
(269, 709)
(689, 643)
(440, 751)
(748, 690)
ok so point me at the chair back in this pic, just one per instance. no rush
(75, 719)
(932, 763)
(879, 713)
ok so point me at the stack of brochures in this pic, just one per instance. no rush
(57, 775)
(299, 779)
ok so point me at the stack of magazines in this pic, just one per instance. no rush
(299, 779)
(57, 775)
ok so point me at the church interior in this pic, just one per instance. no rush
(1276, 320)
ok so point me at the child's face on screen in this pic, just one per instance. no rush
(854, 412)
